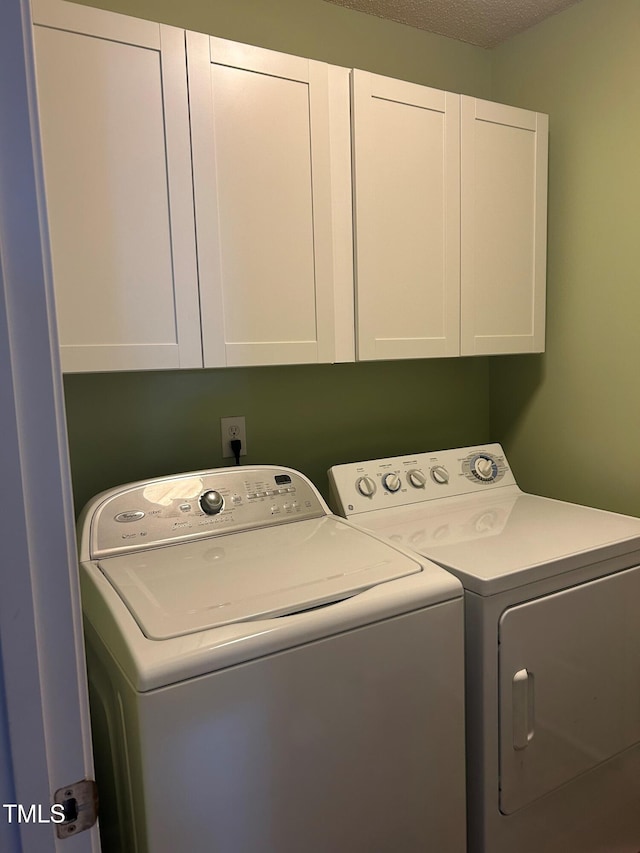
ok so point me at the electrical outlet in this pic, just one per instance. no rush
(231, 428)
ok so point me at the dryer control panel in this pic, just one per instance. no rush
(400, 480)
(204, 503)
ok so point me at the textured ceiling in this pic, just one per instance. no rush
(485, 23)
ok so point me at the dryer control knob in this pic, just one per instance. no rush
(484, 468)
(366, 486)
(416, 479)
(440, 475)
(211, 502)
(392, 482)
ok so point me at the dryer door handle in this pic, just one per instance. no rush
(523, 709)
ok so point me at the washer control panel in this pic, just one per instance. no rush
(399, 480)
(171, 509)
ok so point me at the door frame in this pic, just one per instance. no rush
(44, 715)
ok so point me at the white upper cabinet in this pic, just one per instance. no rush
(272, 181)
(200, 206)
(450, 222)
(406, 141)
(504, 228)
(114, 120)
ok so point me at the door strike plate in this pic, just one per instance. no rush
(80, 804)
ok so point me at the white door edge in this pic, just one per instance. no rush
(42, 680)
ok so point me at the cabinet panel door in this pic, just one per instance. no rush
(504, 228)
(266, 172)
(115, 128)
(407, 218)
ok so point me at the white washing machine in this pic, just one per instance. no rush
(552, 602)
(265, 677)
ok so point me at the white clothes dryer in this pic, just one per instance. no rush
(266, 677)
(552, 610)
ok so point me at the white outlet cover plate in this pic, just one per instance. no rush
(227, 427)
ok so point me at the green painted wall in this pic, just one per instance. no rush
(570, 419)
(130, 426)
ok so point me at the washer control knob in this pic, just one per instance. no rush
(211, 502)
(366, 486)
(391, 482)
(440, 475)
(483, 468)
(416, 479)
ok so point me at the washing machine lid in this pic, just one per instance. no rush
(190, 587)
(503, 539)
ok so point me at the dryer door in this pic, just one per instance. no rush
(569, 685)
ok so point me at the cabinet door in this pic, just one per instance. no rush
(115, 132)
(504, 228)
(407, 218)
(271, 159)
